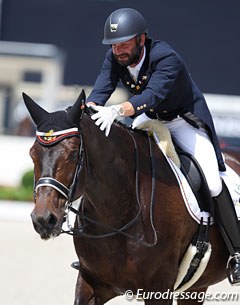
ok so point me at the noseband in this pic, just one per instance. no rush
(66, 192)
(48, 181)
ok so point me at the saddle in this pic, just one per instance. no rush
(196, 179)
(183, 160)
(196, 257)
(198, 254)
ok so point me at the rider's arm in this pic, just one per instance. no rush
(106, 81)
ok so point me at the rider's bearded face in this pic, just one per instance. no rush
(126, 53)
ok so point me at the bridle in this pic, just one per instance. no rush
(68, 193)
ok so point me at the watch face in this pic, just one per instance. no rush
(121, 111)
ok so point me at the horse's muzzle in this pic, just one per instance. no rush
(47, 225)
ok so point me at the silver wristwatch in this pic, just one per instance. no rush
(120, 110)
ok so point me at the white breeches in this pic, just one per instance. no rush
(196, 142)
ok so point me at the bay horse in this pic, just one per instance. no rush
(131, 230)
(232, 156)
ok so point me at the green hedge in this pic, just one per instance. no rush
(28, 179)
(22, 193)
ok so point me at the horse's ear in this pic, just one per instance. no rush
(76, 110)
(81, 98)
(36, 112)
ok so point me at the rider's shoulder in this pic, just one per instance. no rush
(161, 48)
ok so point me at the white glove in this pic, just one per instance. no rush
(106, 115)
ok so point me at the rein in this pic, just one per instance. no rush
(79, 231)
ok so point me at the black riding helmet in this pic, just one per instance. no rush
(122, 25)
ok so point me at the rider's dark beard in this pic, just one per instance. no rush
(130, 58)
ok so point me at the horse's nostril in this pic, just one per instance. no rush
(46, 224)
(52, 220)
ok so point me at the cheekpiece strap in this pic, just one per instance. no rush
(53, 137)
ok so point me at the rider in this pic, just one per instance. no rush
(163, 89)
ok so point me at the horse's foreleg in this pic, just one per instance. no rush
(84, 294)
(195, 297)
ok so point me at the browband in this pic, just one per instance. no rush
(52, 137)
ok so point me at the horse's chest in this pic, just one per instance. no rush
(111, 265)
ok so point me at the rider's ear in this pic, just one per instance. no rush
(36, 112)
(77, 109)
(142, 40)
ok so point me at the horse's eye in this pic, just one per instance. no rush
(73, 155)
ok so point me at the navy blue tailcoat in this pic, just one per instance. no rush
(164, 89)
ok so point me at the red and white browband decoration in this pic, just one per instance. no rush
(52, 137)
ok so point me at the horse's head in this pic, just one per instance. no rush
(56, 154)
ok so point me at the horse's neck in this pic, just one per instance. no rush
(110, 169)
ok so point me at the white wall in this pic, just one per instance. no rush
(226, 114)
(14, 159)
